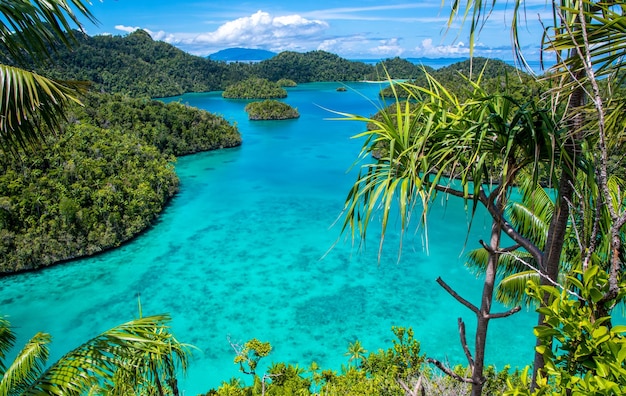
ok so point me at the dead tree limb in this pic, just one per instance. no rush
(457, 297)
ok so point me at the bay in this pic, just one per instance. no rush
(250, 248)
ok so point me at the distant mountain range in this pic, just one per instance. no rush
(258, 55)
(242, 55)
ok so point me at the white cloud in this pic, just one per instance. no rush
(427, 49)
(362, 47)
(263, 29)
(127, 29)
(303, 32)
(389, 47)
(259, 30)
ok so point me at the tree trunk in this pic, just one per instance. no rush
(483, 316)
(554, 247)
(558, 226)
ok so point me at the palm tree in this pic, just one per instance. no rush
(356, 352)
(474, 150)
(33, 105)
(140, 357)
(589, 40)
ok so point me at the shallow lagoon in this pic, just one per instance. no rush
(248, 249)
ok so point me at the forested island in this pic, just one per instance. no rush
(254, 88)
(271, 110)
(100, 181)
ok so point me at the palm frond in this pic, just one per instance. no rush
(26, 367)
(139, 350)
(434, 142)
(512, 289)
(605, 32)
(533, 214)
(7, 341)
(37, 26)
(32, 106)
(508, 264)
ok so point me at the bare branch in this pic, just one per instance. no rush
(416, 388)
(509, 249)
(448, 371)
(468, 354)
(511, 231)
(593, 240)
(452, 191)
(510, 312)
(457, 297)
(486, 247)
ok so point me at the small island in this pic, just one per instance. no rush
(285, 82)
(271, 110)
(254, 88)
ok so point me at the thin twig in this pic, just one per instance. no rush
(511, 231)
(416, 388)
(510, 312)
(546, 277)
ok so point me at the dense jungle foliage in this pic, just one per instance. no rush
(398, 68)
(254, 88)
(314, 66)
(173, 128)
(285, 82)
(137, 65)
(496, 75)
(103, 179)
(385, 372)
(270, 110)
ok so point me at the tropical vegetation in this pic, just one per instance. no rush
(399, 370)
(140, 357)
(254, 88)
(138, 66)
(285, 82)
(271, 110)
(496, 77)
(480, 143)
(313, 66)
(101, 180)
(398, 68)
(480, 147)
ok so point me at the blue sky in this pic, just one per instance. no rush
(363, 29)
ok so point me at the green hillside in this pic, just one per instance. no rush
(101, 180)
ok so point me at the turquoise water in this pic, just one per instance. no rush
(248, 249)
